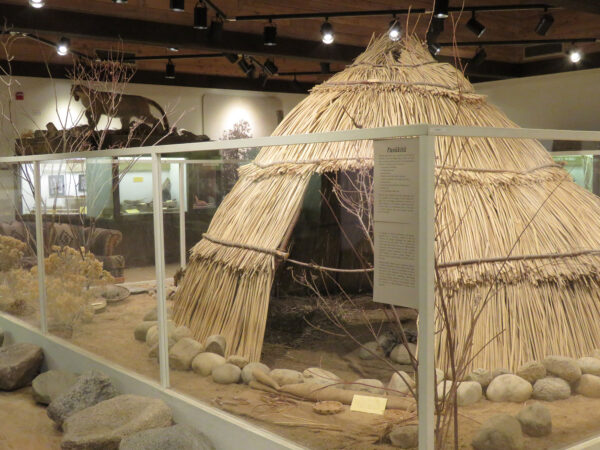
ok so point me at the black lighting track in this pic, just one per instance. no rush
(516, 42)
(217, 10)
(189, 56)
(390, 12)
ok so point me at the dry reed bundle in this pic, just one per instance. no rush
(496, 199)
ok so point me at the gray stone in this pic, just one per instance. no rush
(501, 432)
(468, 392)
(589, 386)
(401, 383)
(509, 388)
(177, 437)
(405, 436)
(19, 364)
(589, 365)
(535, 420)
(51, 384)
(562, 367)
(370, 385)
(141, 330)
(238, 360)
(153, 314)
(286, 376)
(183, 353)
(89, 389)
(551, 389)
(371, 350)
(387, 341)
(482, 376)
(105, 424)
(216, 344)
(320, 376)
(152, 334)
(247, 376)
(226, 374)
(532, 371)
(182, 332)
(500, 371)
(204, 363)
(400, 353)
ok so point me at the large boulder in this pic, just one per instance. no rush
(204, 363)
(89, 389)
(51, 384)
(588, 386)
(501, 432)
(532, 371)
(227, 374)
(401, 383)
(589, 365)
(152, 333)
(286, 376)
(247, 375)
(19, 364)
(562, 367)
(404, 436)
(177, 437)
(105, 424)
(535, 420)
(509, 388)
(216, 344)
(467, 392)
(400, 353)
(551, 389)
(183, 353)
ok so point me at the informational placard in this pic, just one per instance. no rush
(396, 225)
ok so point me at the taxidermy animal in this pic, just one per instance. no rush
(120, 106)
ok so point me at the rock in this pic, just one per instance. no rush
(183, 353)
(51, 384)
(509, 388)
(371, 350)
(400, 353)
(153, 314)
(500, 371)
(247, 371)
(482, 376)
(226, 374)
(532, 371)
(589, 365)
(19, 364)
(501, 432)
(204, 363)
(286, 376)
(562, 367)
(320, 376)
(551, 389)
(589, 386)
(401, 383)
(105, 424)
(141, 330)
(153, 352)
(177, 437)
(182, 332)
(89, 389)
(238, 360)
(387, 341)
(370, 385)
(405, 436)
(216, 344)
(535, 420)
(1, 337)
(152, 334)
(468, 392)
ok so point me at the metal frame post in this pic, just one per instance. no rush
(182, 252)
(159, 262)
(39, 243)
(426, 351)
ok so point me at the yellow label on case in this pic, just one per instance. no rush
(367, 404)
(138, 179)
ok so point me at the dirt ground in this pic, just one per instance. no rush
(111, 335)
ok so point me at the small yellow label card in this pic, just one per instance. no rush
(138, 179)
(372, 405)
(132, 211)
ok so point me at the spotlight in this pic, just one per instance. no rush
(173, 49)
(177, 5)
(575, 55)
(215, 32)
(36, 3)
(200, 16)
(440, 9)
(475, 26)
(170, 70)
(247, 67)
(62, 46)
(325, 67)
(395, 30)
(270, 34)
(479, 57)
(120, 1)
(544, 24)
(270, 67)
(327, 35)
(434, 49)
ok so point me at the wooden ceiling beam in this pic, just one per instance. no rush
(590, 6)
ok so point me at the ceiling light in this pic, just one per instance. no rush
(173, 49)
(120, 1)
(434, 49)
(327, 35)
(395, 30)
(479, 57)
(62, 46)
(475, 26)
(270, 34)
(270, 67)
(177, 5)
(575, 55)
(200, 16)
(170, 70)
(440, 9)
(36, 3)
(544, 24)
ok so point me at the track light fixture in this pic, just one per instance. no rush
(231, 57)
(545, 23)
(476, 27)
(440, 9)
(327, 35)
(325, 67)
(434, 49)
(36, 3)
(270, 68)
(479, 57)
(215, 31)
(575, 55)
(435, 29)
(170, 70)
(200, 16)
(246, 66)
(270, 34)
(177, 5)
(395, 30)
(62, 46)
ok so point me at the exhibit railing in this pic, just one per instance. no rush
(425, 135)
